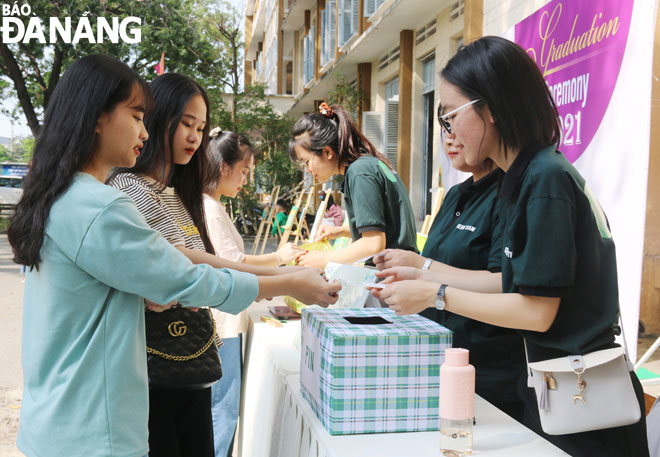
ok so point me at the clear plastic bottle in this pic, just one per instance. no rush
(456, 403)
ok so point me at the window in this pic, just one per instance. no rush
(389, 58)
(271, 56)
(428, 124)
(370, 6)
(328, 32)
(392, 120)
(11, 181)
(308, 56)
(456, 10)
(348, 20)
(425, 32)
(372, 128)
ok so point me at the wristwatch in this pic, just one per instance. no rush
(427, 264)
(439, 301)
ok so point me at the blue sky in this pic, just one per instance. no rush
(19, 127)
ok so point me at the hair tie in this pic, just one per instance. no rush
(216, 132)
(325, 109)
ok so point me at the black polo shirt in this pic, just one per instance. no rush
(466, 233)
(557, 243)
(377, 200)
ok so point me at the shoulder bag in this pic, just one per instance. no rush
(182, 352)
(580, 393)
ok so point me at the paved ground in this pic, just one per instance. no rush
(10, 195)
(11, 378)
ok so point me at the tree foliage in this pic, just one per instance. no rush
(186, 30)
(20, 152)
(269, 133)
(200, 38)
(345, 94)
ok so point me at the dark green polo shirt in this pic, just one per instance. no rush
(466, 233)
(377, 200)
(557, 243)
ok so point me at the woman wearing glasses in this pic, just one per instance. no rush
(558, 282)
(466, 235)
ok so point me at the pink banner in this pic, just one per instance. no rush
(579, 47)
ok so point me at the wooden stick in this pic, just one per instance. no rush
(270, 220)
(428, 220)
(290, 220)
(320, 213)
(303, 213)
(264, 221)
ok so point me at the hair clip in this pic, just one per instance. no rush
(325, 109)
(216, 132)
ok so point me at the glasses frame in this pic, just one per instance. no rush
(442, 119)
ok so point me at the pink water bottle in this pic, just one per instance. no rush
(456, 403)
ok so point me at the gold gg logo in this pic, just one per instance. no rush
(177, 328)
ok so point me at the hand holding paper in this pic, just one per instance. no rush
(394, 274)
(408, 297)
(398, 258)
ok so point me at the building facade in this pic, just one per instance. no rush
(392, 51)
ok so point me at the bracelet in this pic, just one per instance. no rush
(427, 264)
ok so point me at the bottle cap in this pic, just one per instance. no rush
(457, 357)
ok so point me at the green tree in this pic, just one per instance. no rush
(180, 28)
(252, 114)
(19, 152)
(345, 94)
(269, 132)
(5, 155)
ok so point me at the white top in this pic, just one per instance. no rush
(226, 240)
(228, 244)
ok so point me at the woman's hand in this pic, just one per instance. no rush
(408, 297)
(313, 259)
(328, 231)
(288, 253)
(311, 288)
(398, 258)
(400, 274)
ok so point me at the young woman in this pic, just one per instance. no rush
(558, 282)
(380, 216)
(166, 186)
(230, 157)
(466, 235)
(91, 259)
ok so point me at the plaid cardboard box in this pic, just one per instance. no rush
(372, 378)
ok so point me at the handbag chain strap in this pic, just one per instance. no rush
(185, 358)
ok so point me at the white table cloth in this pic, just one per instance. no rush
(277, 422)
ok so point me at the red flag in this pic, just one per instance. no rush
(160, 68)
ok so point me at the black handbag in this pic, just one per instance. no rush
(182, 352)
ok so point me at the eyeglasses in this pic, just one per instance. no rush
(444, 122)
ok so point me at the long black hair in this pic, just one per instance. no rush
(172, 92)
(91, 86)
(502, 75)
(315, 131)
(224, 147)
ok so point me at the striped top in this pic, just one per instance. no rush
(162, 208)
